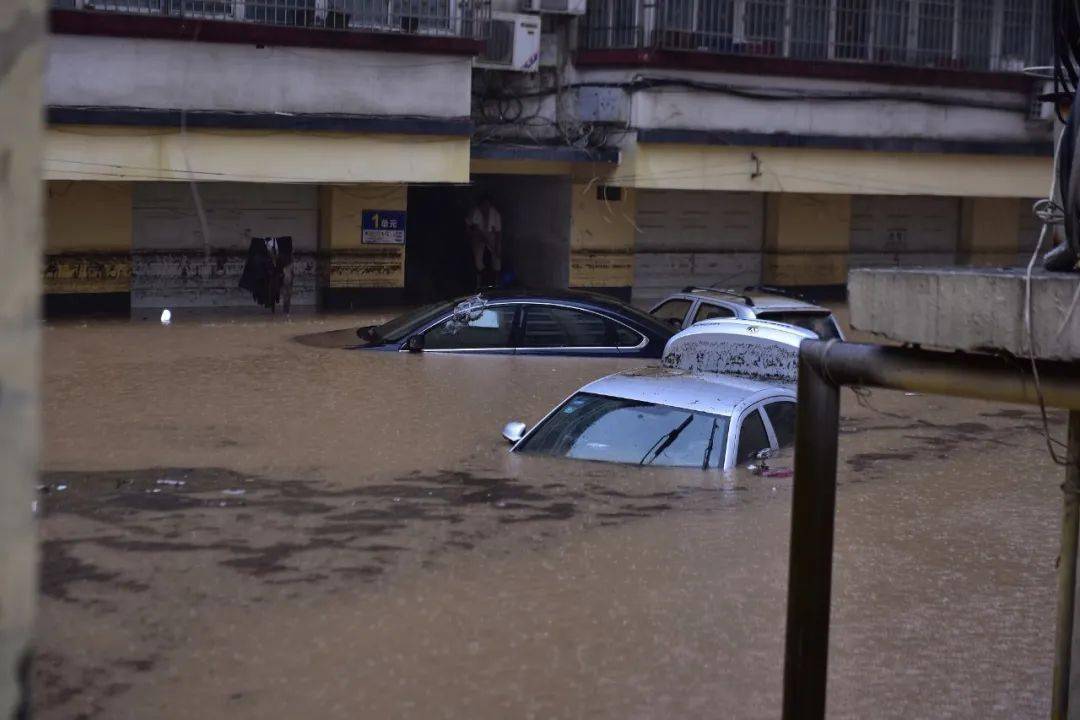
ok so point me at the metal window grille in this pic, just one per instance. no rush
(463, 18)
(984, 35)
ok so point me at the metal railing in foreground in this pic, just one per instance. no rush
(825, 367)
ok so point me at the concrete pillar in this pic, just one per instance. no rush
(22, 37)
(602, 235)
(353, 273)
(807, 239)
(989, 231)
(87, 246)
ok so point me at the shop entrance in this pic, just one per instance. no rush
(535, 212)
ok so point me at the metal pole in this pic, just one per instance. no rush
(817, 428)
(1066, 644)
(955, 374)
(22, 39)
(826, 366)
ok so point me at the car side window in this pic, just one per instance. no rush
(752, 438)
(547, 326)
(782, 416)
(625, 337)
(491, 327)
(708, 312)
(672, 312)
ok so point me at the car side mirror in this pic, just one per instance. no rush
(514, 431)
(764, 454)
(415, 343)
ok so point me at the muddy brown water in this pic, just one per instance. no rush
(236, 524)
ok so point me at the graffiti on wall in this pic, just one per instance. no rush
(87, 273)
(597, 268)
(367, 268)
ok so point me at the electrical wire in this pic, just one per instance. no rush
(641, 82)
(1045, 212)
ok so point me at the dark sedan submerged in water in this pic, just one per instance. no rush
(523, 322)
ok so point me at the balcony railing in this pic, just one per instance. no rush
(456, 18)
(978, 35)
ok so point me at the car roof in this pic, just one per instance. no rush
(702, 392)
(582, 298)
(563, 295)
(757, 299)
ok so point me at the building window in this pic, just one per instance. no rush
(998, 35)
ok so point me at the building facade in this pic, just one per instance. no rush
(631, 147)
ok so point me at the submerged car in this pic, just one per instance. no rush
(660, 416)
(558, 322)
(696, 304)
(723, 398)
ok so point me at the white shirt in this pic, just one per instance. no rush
(494, 220)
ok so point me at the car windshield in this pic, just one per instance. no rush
(609, 429)
(819, 322)
(395, 330)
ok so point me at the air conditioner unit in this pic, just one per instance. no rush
(513, 43)
(560, 7)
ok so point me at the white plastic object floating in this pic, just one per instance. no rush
(166, 316)
(757, 349)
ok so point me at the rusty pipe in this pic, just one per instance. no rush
(826, 366)
(955, 374)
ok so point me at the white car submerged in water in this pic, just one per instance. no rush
(724, 397)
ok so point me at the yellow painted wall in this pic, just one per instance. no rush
(601, 238)
(989, 231)
(88, 237)
(807, 239)
(79, 152)
(802, 170)
(350, 263)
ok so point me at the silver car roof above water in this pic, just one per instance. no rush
(758, 300)
(716, 394)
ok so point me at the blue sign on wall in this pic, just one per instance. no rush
(382, 227)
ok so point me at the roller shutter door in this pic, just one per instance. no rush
(176, 264)
(696, 238)
(903, 230)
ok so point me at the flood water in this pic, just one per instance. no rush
(237, 524)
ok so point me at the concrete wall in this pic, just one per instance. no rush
(807, 239)
(133, 72)
(88, 237)
(602, 239)
(947, 114)
(22, 37)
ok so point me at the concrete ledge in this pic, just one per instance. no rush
(971, 309)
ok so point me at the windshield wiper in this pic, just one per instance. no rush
(666, 441)
(708, 448)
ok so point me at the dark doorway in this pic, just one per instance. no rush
(535, 212)
(438, 262)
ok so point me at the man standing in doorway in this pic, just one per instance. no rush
(483, 226)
